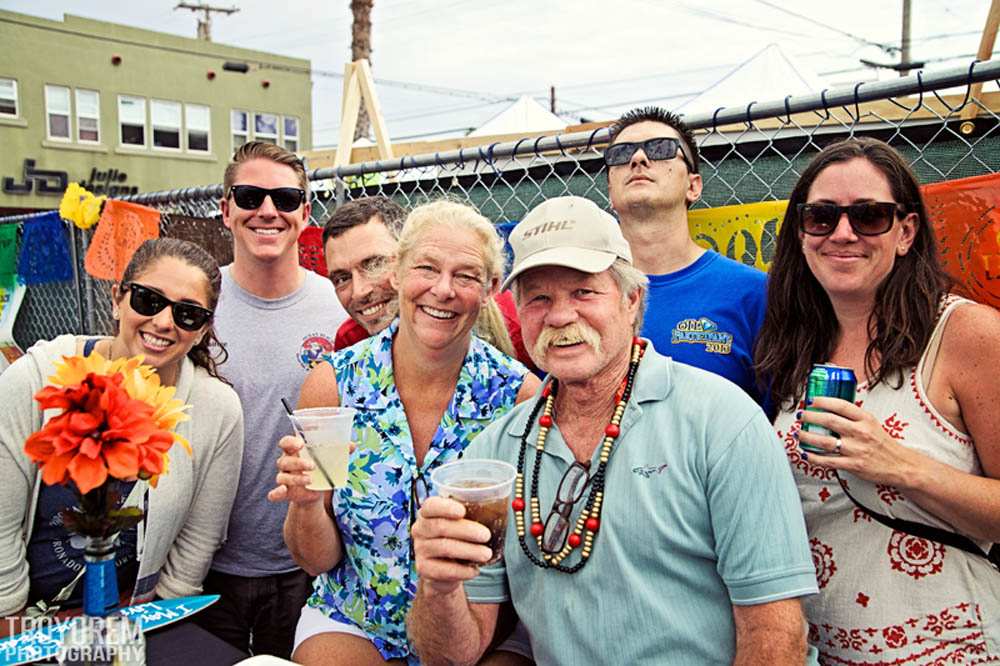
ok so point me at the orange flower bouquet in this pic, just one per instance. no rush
(117, 424)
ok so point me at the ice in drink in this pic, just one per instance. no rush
(483, 487)
(327, 435)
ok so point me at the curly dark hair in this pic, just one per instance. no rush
(800, 326)
(151, 251)
(655, 114)
(360, 211)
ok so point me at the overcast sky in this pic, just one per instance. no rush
(603, 56)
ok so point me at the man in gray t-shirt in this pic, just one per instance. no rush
(275, 319)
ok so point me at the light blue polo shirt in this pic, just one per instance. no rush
(700, 513)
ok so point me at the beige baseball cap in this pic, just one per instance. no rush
(567, 231)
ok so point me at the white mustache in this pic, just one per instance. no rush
(567, 335)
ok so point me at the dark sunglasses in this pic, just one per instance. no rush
(557, 524)
(871, 218)
(660, 148)
(251, 197)
(148, 302)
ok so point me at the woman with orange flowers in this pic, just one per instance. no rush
(164, 306)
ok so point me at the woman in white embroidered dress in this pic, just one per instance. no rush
(856, 282)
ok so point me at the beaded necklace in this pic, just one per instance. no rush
(589, 520)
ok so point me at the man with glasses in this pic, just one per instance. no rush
(704, 308)
(655, 520)
(275, 318)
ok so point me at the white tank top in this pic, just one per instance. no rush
(887, 597)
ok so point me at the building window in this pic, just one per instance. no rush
(166, 118)
(239, 120)
(88, 116)
(198, 121)
(265, 127)
(132, 120)
(291, 133)
(8, 97)
(57, 111)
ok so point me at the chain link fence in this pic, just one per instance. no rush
(749, 154)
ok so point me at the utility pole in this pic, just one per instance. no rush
(904, 42)
(205, 24)
(552, 99)
(361, 49)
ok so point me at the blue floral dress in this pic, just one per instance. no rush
(374, 584)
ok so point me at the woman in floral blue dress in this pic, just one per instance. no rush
(424, 388)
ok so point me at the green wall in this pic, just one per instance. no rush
(77, 53)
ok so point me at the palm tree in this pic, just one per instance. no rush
(361, 47)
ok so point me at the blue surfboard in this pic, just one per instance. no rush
(44, 642)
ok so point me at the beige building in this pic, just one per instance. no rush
(123, 110)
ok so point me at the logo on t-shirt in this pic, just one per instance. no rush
(647, 471)
(313, 347)
(702, 331)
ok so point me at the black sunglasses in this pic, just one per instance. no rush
(574, 481)
(871, 218)
(251, 197)
(148, 302)
(660, 148)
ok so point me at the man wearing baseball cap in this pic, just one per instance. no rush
(654, 518)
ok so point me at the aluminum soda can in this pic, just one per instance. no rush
(831, 381)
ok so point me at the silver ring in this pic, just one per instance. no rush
(837, 446)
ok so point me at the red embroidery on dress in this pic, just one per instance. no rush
(943, 427)
(942, 638)
(795, 458)
(861, 515)
(824, 494)
(862, 599)
(895, 636)
(894, 427)
(914, 556)
(822, 556)
(889, 494)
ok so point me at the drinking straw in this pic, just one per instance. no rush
(300, 433)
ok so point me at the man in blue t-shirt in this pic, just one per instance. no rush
(704, 309)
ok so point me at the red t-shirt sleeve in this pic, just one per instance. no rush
(348, 334)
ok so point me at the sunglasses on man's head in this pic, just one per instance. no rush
(148, 302)
(871, 218)
(660, 148)
(251, 197)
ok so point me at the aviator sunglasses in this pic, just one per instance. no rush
(148, 302)
(251, 197)
(871, 218)
(660, 148)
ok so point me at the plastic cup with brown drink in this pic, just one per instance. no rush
(326, 432)
(483, 487)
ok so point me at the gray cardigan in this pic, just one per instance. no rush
(189, 508)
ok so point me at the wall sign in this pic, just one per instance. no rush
(42, 181)
(53, 183)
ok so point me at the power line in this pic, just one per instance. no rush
(885, 47)
(428, 113)
(706, 13)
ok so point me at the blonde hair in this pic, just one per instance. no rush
(453, 215)
(490, 324)
(491, 327)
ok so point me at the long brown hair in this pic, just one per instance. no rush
(800, 327)
(153, 250)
